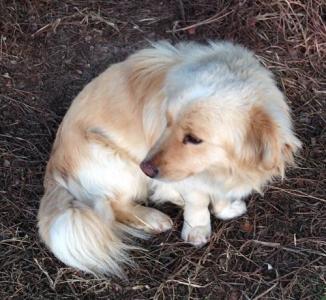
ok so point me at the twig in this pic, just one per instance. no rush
(297, 193)
(266, 292)
(188, 283)
(278, 245)
(182, 10)
(268, 244)
(46, 274)
(210, 20)
(54, 25)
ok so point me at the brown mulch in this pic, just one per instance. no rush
(50, 49)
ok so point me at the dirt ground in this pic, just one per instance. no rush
(50, 49)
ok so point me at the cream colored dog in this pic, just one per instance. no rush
(206, 122)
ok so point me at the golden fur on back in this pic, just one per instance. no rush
(206, 122)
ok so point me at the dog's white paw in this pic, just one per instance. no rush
(156, 221)
(197, 236)
(232, 210)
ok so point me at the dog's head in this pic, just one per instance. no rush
(207, 135)
(224, 112)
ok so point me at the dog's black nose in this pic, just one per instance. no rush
(150, 170)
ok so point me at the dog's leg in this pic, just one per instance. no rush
(227, 209)
(197, 224)
(164, 192)
(141, 217)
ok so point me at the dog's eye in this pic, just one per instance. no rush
(190, 139)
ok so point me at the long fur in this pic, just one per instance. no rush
(79, 236)
(143, 110)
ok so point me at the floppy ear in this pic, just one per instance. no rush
(290, 148)
(264, 146)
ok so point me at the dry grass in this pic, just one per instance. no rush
(50, 49)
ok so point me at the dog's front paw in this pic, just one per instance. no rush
(197, 236)
(155, 221)
(232, 210)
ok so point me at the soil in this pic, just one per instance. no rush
(50, 49)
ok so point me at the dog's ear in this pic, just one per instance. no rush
(264, 147)
(290, 148)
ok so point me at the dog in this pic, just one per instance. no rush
(196, 125)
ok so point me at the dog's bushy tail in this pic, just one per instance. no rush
(79, 236)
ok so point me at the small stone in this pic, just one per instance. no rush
(6, 163)
(104, 49)
(21, 85)
(247, 227)
(192, 30)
